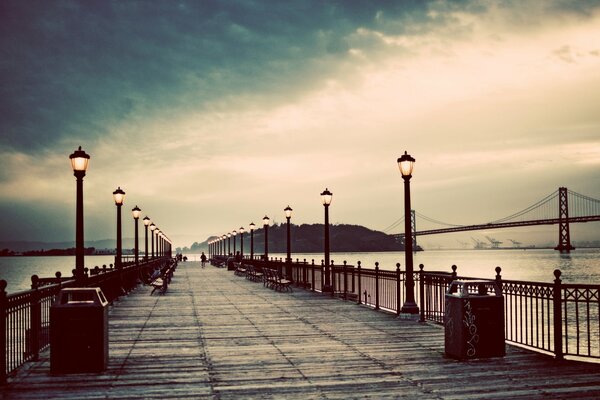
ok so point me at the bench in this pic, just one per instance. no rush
(253, 273)
(240, 269)
(275, 281)
(161, 283)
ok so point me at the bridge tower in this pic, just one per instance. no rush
(413, 223)
(564, 237)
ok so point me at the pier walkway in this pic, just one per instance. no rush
(219, 336)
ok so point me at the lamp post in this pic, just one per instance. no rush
(266, 221)
(119, 196)
(136, 216)
(158, 249)
(288, 260)
(242, 241)
(234, 234)
(146, 223)
(405, 163)
(79, 163)
(228, 244)
(152, 228)
(326, 197)
(252, 226)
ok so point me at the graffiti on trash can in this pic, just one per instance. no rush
(449, 323)
(469, 321)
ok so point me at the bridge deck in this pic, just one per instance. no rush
(217, 335)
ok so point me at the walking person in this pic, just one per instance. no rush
(203, 259)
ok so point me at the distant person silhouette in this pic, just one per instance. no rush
(203, 259)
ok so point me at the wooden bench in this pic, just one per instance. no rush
(275, 281)
(240, 269)
(253, 273)
(162, 282)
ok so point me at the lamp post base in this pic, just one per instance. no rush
(409, 308)
(327, 289)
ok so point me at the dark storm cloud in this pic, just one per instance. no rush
(73, 69)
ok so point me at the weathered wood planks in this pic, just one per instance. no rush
(217, 335)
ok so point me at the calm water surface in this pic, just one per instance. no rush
(17, 271)
(581, 266)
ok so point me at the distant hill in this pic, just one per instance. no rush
(308, 238)
(23, 246)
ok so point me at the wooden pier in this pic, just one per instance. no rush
(217, 335)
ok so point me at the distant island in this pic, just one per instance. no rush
(308, 238)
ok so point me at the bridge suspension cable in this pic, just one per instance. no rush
(435, 221)
(582, 205)
(542, 205)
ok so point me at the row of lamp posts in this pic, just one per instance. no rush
(79, 163)
(405, 164)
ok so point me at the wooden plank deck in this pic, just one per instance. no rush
(216, 335)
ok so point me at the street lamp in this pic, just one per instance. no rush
(228, 243)
(224, 239)
(146, 223)
(136, 216)
(157, 239)
(242, 241)
(252, 226)
(152, 229)
(288, 261)
(234, 233)
(266, 221)
(326, 197)
(119, 196)
(79, 163)
(405, 163)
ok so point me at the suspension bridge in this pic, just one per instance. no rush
(561, 208)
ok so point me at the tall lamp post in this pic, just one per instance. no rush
(405, 163)
(119, 196)
(234, 234)
(266, 221)
(158, 249)
(326, 197)
(136, 216)
(228, 243)
(242, 241)
(288, 260)
(146, 223)
(79, 163)
(252, 226)
(152, 229)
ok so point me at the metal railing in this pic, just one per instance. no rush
(557, 318)
(25, 315)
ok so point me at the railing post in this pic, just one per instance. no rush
(312, 272)
(322, 274)
(558, 342)
(345, 281)
(398, 302)
(3, 314)
(35, 319)
(498, 277)
(422, 292)
(377, 286)
(332, 278)
(359, 293)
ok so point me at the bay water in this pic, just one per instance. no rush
(580, 266)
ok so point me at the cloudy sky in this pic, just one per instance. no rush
(211, 114)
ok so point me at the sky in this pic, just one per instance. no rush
(212, 114)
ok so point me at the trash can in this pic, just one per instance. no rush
(474, 320)
(79, 331)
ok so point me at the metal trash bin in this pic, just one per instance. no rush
(79, 331)
(474, 320)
